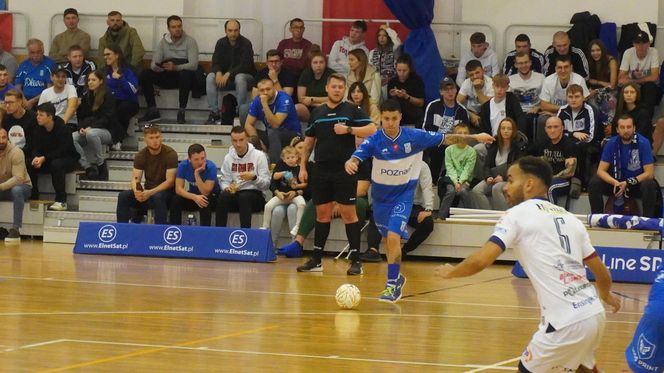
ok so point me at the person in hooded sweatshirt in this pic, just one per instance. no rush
(482, 51)
(338, 58)
(53, 152)
(173, 65)
(125, 37)
(244, 178)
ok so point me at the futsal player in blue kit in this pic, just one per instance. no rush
(397, 154)
(646, 352)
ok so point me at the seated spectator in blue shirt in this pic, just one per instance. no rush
(123, 84)
(5, 85)
(201, 174)
(34, 74)
(276, 110)
(626, 170)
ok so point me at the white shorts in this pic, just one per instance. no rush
(566, 349)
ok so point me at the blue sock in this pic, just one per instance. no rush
(291, 246)
(393, 272)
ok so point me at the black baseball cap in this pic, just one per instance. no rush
(446, 81)
(641, 37)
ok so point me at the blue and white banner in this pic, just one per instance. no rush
(625, 222)
(182, 241)
(625, 265)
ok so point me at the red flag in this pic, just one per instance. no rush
(6, 30)
(366, 9)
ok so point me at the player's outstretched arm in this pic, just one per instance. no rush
(603, 282)
(484, 138)
(476, 262)
(352, 165)
(364, 131)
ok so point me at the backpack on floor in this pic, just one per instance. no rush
(228, 109)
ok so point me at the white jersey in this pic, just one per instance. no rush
(472, 101)
(551, 244)
(60, 100)
(554, 93)
(636, 67)
(528, 91)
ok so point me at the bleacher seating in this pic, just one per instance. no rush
(96, 200)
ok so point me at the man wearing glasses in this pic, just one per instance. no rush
(283, 79)
(295, 50)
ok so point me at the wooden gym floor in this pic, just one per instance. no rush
(61, 312)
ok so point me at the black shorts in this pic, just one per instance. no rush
(333, 185)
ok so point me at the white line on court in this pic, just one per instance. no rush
(41, 344)
(268, 313)
(268, 292)
(496, 365)
(207, 349)
(32, 345)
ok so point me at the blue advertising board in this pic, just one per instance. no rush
(625, 265)
(181, 241)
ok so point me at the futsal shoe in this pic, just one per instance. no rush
(392, 292)
(355, 268)
(292, 250)
(312, 265)
(371, 255)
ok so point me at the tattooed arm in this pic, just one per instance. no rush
(568, 172)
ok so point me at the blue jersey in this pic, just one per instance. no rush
(283, 103)
(186, 171)
(397, 162)
(646, 352)
(630, 158)
(34, 79)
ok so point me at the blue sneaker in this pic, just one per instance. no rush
(392, 292)
(292, 250)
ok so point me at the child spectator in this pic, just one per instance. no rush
(459, 163)
(286, 187)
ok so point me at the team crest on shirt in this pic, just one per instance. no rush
(646, 348)
(407, 148)
(660, 277)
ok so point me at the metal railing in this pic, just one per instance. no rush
(449, 45)
(337, 20)
(540, 35)
(456, 39)
(205, 30)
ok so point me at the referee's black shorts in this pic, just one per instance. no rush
(333, 184)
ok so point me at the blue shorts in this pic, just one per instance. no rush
(392, 217)
(646, 351)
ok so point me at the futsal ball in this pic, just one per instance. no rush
(348, 296)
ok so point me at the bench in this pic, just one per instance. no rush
(33, 216)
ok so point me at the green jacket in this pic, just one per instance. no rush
(460, 163)
(128, 40)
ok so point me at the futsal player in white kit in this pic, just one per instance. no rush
(552, 245)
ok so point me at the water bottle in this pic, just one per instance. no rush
(191, 219)
(618, 204)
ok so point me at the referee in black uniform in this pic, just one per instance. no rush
(332, 129)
